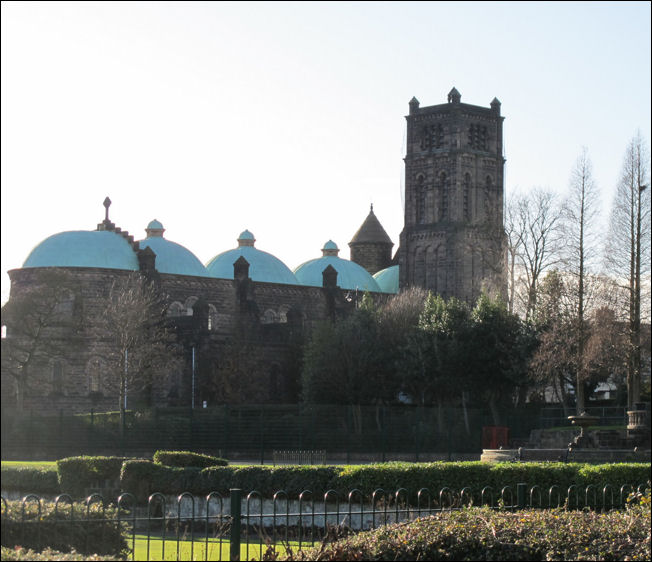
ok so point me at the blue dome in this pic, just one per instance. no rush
(173, 258)
(84, 248)
(350, 275)
(262, 266)
(387, 279)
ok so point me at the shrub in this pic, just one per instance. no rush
(484, 534)
(291, 479)
(30, 480)
(19, 553)
(77, 474)
(187, 458)
(142, 478)
(478, 475)
(71, 526)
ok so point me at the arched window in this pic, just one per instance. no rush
(443, 196)
(212, 317)
(190, 302)
(488, 196)
(65, 304)
(421, 199)
(466, 194)
(57, 376)
(175, 309)
(94, 370)
(269, 317)
(283, 314)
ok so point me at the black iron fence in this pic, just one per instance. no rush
(607, 416)
(256, 431)
(240, 526)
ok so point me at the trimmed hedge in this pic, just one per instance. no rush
(187, 458)
(77, 474)
(477, 475)
(85, 531)
(484, 534)
(142, 478)
(30, 480)
(19, 553)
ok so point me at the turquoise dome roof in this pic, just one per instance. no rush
(263, 267)
(84, 248)
(350, 275)
(387, 279)
(170, 256)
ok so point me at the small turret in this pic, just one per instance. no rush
(495, 106)
(371, 247)
(414, 106)
(454, 96)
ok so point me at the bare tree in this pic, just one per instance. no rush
(514, 241)
(537, 221)
(133, 340)
(627, 255)
(580, 214)
(557, 359)
(41, 322)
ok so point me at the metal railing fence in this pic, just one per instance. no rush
(257, 430)
(243, 526)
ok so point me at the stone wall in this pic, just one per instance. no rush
(210, 316)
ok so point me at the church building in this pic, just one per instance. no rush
(245, 311)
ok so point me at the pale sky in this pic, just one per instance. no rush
(287, 119)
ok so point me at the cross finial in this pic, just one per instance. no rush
(107, 204)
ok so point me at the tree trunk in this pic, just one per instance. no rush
(440, 415)
(356, 412)
(20, 394)
(467, 426)
(495, 414)
(121, 406)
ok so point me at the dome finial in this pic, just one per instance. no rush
(330, 249)
(372, 208)
(107, 204)
(246, 238)
(155, 229)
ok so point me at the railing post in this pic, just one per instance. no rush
(383, 433)
(262, 435)
(521, 492)
(347, 412)
(191, 428)
(236, 499)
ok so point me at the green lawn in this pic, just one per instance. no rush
(217, 549)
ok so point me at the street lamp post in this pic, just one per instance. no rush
(636, 379)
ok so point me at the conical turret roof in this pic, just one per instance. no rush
(371, 231)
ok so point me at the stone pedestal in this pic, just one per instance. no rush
(638, 426)
(584, 420)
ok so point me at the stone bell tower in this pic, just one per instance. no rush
(453, 240)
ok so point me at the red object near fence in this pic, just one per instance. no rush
(495, 437)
